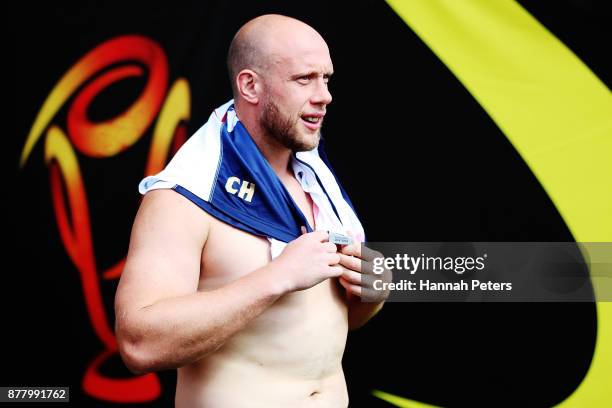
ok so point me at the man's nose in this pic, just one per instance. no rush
(322, 94)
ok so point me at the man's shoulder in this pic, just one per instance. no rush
(166, 203)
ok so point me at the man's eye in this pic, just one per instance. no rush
(304, 79)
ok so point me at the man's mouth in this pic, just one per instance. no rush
(312, 121)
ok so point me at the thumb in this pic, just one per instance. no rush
(351, 235)
(303, 229)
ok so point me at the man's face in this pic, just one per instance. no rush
(296, 95)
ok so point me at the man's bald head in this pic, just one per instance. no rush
(279, 68)
(260, 40)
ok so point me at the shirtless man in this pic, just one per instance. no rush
(203, 297)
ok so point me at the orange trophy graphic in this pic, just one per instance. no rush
(159, 107)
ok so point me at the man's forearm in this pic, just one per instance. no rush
(177, 331)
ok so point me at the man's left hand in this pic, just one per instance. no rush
(358, 277)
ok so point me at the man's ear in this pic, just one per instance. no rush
(249, 85)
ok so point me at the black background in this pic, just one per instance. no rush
(420, 158)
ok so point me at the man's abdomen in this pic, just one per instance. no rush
(289, 356)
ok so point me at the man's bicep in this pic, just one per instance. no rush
(166, 244)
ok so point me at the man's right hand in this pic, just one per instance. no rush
(307, 261)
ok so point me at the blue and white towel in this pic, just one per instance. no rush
(221, 170)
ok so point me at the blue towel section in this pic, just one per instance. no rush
(221, 170)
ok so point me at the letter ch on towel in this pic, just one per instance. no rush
(221, 170)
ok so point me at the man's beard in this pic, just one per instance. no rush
(284, 129)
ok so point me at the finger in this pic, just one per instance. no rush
(372, 295)
(303, 229)
(353, 249)
(356, 278)
(354, 289)
(351, 277)
(350, 262)
(366, 294)
(368, 254)
(336, 271)
(333, 259)
(353, 237)
(360, 250)
(320, 235)
(330, 247)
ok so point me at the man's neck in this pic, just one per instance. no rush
(276, 154)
